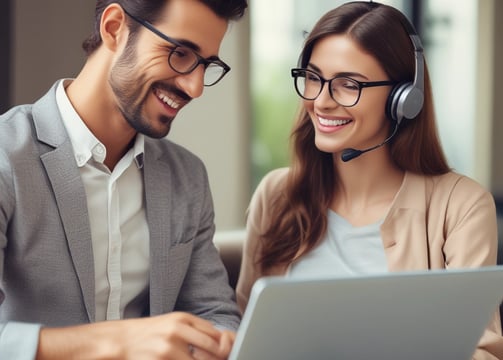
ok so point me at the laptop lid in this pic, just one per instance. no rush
(435, 314)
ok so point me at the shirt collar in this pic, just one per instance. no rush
(138, 150)
(85, 144)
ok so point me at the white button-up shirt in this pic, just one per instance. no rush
(115, 201)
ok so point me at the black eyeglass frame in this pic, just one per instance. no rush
(200, 60)
(298, 72)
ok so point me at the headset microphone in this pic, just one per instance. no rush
(350, 154)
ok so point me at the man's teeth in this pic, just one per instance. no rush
(170, 102)
(327, 122)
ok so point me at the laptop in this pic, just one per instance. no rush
(437, 314)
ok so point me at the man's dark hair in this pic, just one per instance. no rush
(149, 10)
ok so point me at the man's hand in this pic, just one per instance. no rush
(177, 336)
(226, 341)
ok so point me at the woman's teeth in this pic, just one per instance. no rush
(326, 122)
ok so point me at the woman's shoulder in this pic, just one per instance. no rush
(457, 182)
(450, 180)
(452, 187)
(273, 179)
(269, 187)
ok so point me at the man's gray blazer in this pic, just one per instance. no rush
(46, 257)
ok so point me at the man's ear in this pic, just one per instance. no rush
(113, 27)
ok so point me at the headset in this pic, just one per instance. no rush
(405, 100)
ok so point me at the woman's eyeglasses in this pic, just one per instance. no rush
(344, 90)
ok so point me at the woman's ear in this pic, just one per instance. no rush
(113, 27)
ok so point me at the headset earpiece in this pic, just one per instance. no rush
(406, 99)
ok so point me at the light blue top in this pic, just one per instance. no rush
(346, 250)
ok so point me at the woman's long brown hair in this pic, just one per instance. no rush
(299, 212)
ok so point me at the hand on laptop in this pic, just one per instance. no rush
(226, 341)
(178, 335)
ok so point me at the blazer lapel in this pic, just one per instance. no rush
(157, 189)
(409, 207)
(69, 192)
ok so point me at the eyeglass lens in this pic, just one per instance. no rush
(344, 91)
(185, 60)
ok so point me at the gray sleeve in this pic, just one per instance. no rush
(18, 341)
(206, 291)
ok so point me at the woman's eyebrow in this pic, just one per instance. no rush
(342, 74)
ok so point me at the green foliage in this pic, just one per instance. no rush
(274, 107)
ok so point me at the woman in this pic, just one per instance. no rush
(369, 189)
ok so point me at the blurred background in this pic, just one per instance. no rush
(241, 127)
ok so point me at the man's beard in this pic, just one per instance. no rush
(128, 91)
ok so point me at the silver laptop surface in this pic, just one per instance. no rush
(414, 315)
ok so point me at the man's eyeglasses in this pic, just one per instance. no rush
(343, 90)
(184, 60)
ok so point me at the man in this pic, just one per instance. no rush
(105, 230)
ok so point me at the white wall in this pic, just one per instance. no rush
(217, 128)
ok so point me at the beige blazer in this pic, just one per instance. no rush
(435, 222)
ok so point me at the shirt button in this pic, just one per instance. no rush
(100, 150)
